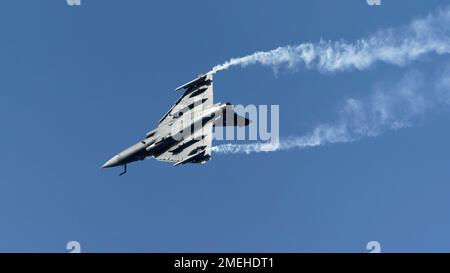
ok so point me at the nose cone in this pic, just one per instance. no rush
(112, 162)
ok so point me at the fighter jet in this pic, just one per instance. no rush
(184, 133)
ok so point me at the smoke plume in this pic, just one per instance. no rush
(400, 105)
(397, 46)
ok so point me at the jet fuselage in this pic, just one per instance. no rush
(157, 144)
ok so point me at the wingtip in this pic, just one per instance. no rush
(193, 81)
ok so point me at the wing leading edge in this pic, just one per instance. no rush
(198, 96)
(199, 93)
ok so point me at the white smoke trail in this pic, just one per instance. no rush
(394, 46)
(391, 108)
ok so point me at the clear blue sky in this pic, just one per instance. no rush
(78, 84)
